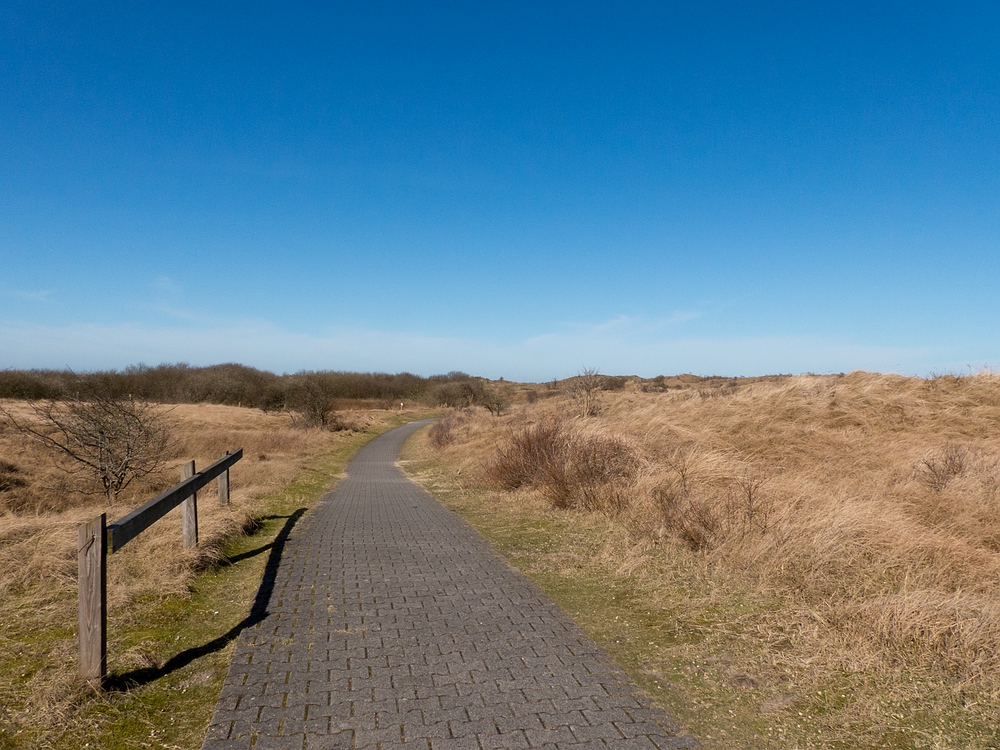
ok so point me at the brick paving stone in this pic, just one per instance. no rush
(392, 623)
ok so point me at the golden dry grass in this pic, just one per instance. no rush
(38, 520)
(41, 509)
(855, 518)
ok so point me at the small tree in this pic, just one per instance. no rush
(496, 398)
(584, 391)
(311, 396)
(458, 393)
(112, 439)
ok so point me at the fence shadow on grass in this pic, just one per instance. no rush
(145, 675)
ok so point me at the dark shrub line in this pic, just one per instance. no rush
(239, 385)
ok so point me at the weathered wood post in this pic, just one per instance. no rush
(96, 539)
(224, 486)
(189, 510)
(92, 584)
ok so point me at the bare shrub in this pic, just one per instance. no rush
(601, 471)
(685, 462)
(715, 388)
(938, 467)
(442, 432)
(456, 390)
(585, 390)
(111, 440)
(591, 471)
(707, 498)
(533, 456)
(695, 520)
(496, 399)
(748, 507)
(311, 399)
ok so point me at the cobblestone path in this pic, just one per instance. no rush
(392, 624)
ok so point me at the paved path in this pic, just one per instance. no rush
(393, 624)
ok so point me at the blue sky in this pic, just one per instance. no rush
(511, 189)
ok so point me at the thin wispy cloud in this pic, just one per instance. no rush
(555, 355)
(166, 286)
(174, 312)
(614, 329)
(24, 295)
(166, 302)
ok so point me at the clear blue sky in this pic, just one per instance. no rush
(515, 189)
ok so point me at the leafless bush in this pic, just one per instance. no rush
(109, 439)
(442, 432)
(496, 398)
(748, 506)
(585, 390)
(695, 520)
(311, 399)
(456, 390)
(704, 510)
(719, 390)
(569, 469)
(533, 456)
(685, 463)
(937, 468)
(601, 470)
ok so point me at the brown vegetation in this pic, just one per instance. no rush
(41, 507)
(113, 441)
(38, 518)
(311, 395)
(570, 466)
(857, 515)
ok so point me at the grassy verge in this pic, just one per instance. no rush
(693, 641)
(168, 655)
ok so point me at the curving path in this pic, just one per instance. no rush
(393, 624)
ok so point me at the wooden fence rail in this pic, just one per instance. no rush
(97, 538)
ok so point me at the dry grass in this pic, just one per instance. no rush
(846, 527)
(38, 519)
(41, 506)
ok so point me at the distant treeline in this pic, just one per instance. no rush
(239, 385)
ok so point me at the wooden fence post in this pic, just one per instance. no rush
(92, 587)
(96, 539)
(189, 510)
(224, 486)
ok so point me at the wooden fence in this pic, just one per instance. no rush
(97, 538)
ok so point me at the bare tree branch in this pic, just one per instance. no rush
(113, 440)
(585, 389)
